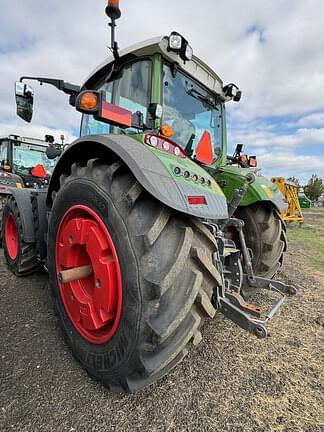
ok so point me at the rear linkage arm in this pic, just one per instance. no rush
(228, 299)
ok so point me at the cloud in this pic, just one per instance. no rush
(310, 120)
(273, 50)
(263, 139)
(287, 165)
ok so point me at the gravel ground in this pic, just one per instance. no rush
(230, 382)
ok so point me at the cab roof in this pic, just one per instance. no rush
(33, 141)
(196, 68)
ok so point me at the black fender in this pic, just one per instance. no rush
(146, 168)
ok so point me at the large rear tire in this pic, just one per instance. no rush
(265, 235)
(166, 270)
(21, 257)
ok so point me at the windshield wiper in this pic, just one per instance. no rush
(203, 98)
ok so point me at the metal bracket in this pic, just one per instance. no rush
(268, 284)
(241, 318)
(229, 300)
(234, 307)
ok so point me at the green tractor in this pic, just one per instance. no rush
(304, 202)
(147, 227)
(25, 163)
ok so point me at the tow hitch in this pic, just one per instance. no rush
(247, 315)
(231, 298)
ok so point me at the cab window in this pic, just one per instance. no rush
(191, 110)
(130, 90)
(3, 152)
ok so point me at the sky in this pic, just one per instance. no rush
(273, 50)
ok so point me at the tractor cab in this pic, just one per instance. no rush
(25, 160)
(161, 87)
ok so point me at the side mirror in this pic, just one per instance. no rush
(24, 101)
(53, 152)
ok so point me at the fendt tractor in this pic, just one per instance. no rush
(25, 163)
(147, 227)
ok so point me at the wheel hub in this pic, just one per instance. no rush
(93, 303)
(11, 236)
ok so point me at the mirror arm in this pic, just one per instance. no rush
(66, 87)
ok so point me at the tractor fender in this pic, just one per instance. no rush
(148, 169)
(261, 189)
(23, 200)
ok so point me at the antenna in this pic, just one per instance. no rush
(113, 12)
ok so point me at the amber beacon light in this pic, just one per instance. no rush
(112, 9)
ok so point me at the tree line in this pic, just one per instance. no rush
(314, 187)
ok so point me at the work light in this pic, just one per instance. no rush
(231, 90)
(179, 44)
(175, 41)
(188, 52)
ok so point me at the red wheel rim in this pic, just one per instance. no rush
(94, 303)
(11, 237)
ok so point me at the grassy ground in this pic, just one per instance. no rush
(232, 382)
(310, 236)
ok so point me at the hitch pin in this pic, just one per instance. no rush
(75, 273)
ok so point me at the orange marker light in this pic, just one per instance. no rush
(167, 130)
(113, 2)
(243, 159)
(88, 101)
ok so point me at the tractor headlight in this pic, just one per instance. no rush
(175, 41)
(179, 44)
(188, 52)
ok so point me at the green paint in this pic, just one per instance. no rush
(156, 84)
(156, 78)
(221, 161)
(170, 162)
(304, 202)
(261, 190)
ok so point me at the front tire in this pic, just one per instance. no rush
(166, 271)
(265, 235)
